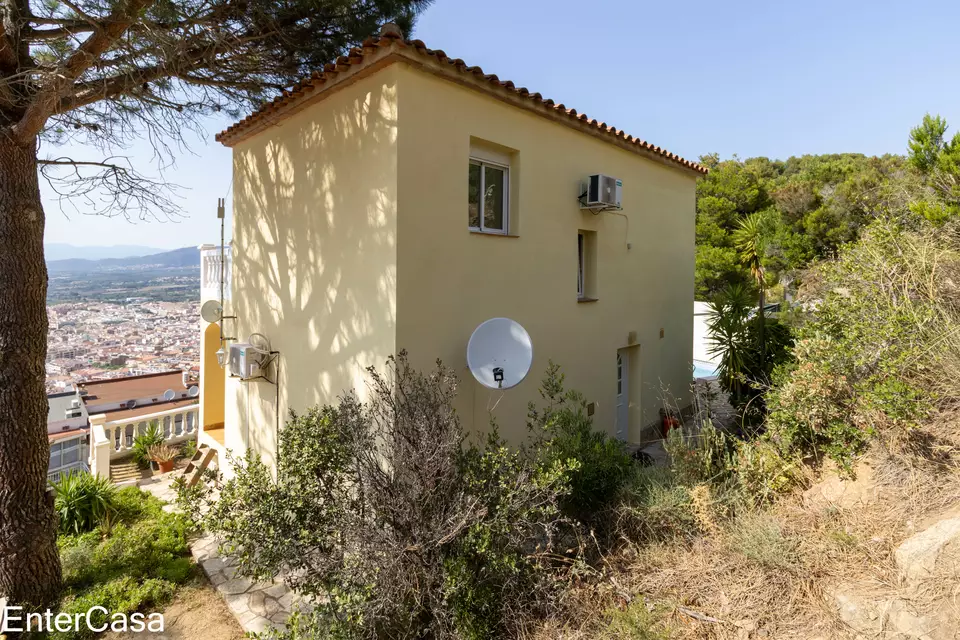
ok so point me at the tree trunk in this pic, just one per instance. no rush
(29, 563)
(763, 320)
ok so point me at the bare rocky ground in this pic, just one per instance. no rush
(870, 557)
(196, 612)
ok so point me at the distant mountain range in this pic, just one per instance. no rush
(61, 251)
(185, 257)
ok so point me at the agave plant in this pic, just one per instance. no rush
(83, 501)
(142, 443)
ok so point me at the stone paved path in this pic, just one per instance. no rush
(257, 606)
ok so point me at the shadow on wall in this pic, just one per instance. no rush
(315, 253)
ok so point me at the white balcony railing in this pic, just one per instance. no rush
(57, 474)
(211, 266)
(114, 439)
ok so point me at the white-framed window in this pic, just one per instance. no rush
(488, 197)
(581, 241)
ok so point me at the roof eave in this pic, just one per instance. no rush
(377, 54)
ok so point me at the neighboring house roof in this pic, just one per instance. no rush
(59, 403)
(66, 434)
(379, 52)
(120, 389)
(147, 409)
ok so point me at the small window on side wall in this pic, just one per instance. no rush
(586, 266)
(489, 197)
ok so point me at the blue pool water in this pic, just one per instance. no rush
(703, 369)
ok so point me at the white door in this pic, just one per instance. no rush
(623, 394)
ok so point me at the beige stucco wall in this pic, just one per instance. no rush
(350, 242)
(450, 280)
(314, 254)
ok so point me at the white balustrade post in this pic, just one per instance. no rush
(101, 447)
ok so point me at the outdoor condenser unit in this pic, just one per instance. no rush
(246, 360)
(602, 192)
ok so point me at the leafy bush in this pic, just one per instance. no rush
(562, 432)
(189, 448)
(120, 595)
(83, 501)
(138, 565)
(880, 350)
(143, 441)
(384, 511)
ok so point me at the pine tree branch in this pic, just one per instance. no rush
(44, 103)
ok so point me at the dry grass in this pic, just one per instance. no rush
(770, 573)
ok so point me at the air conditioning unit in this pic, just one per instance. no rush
(75, 403)
(602, 192)
(246, 360)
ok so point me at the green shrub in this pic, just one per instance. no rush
(384, 511)
(562, 432)
(700, 456)
(879, 350)
(120, 595)
(143, 441)
(146, 542)
(189, 448)
(638, 621)
(136, 567)
(83, 501)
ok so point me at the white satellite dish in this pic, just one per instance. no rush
(211, 311)
(194, 392)
(500, 353)
(169, 395)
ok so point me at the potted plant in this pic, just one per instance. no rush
(164, 456)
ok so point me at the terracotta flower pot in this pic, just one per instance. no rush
(166, 467)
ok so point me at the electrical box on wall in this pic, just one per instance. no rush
(246, 360)
(602, 192)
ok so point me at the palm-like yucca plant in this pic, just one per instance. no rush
(750, 240)
(728, 320)
(83, 501)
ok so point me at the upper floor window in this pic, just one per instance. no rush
(489, 197)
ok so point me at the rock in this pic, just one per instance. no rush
(235, 586)
(917, 556)
(863, 616)
(902, 621)
(841, 491)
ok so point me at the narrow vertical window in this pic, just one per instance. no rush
(580, 240)
(586, 266)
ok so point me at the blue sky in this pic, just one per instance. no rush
(747, 78)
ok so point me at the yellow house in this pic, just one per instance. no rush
(399, 198)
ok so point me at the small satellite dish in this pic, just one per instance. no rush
(169, 395)
(194, 392)
(131, 404)
(500, 353)
(211, 311)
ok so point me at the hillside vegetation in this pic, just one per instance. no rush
(830, 508)
(811, 205)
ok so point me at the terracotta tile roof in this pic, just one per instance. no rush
(66, 434)
(147, 409)
(378, 52)
(120, 389)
